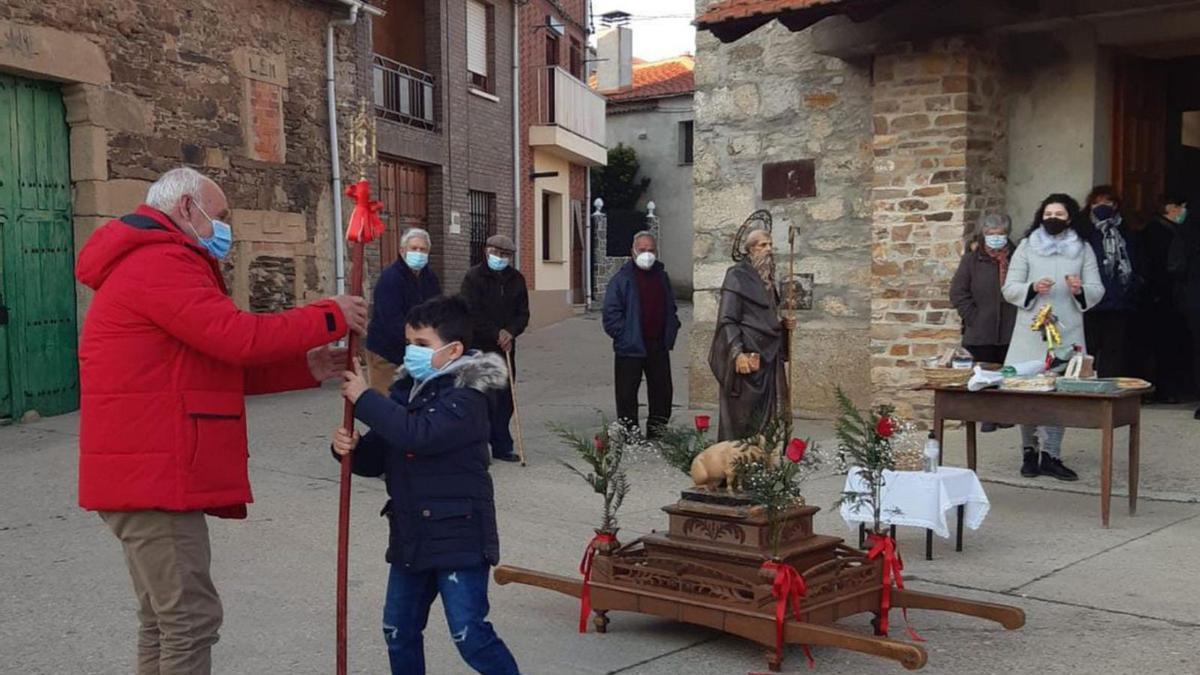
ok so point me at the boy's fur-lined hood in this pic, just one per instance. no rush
(483, 372)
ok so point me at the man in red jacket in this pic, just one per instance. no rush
(166, 360)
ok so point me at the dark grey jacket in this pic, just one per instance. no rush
(975, 292)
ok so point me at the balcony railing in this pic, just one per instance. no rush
(403, 94)
(566, 102)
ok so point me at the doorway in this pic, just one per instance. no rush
(404, 191)
(38, 340)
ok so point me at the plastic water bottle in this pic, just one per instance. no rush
(932, 450)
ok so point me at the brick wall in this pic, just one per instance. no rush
(939, 137)
(472, 147)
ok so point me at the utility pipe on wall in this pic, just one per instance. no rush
(516, 104)
(335, 162)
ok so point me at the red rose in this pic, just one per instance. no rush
(599, 442)
(702, 422)
(885, 427)
(796, 449)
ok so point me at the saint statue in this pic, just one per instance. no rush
(749, 348)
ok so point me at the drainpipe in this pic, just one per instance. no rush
(589, 298)
(335, 162)
(516, 104)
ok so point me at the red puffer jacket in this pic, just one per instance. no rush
(165, 362)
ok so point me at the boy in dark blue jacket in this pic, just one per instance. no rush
(430, 442)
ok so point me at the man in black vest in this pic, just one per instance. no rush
(499, 302)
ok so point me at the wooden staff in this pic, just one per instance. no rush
(512, 388)
(364, 227)
(791, 304)
(343, 535)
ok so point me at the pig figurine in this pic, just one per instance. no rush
(714, 465)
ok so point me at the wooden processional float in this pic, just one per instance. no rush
(707, 569)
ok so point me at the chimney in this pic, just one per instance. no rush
(614, 50)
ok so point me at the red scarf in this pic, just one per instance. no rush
(1000, 258)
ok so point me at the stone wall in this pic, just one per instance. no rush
(149, 87)
(769, 98)
(940, 155)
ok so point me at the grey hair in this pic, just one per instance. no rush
(991, 221)
(750, 236)
(412, 232)
(170, 187)
(645, 233)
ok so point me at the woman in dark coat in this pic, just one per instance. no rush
(975, 291)
(1105, 325)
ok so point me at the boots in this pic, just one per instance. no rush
(1053, 466)
(1029, 466)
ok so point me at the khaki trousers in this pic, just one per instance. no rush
(381, 373)
(168, 556)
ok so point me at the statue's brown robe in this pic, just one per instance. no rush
(747, 323)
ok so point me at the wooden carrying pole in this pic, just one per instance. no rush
(343, 535)
(364, 227)
(512, 389)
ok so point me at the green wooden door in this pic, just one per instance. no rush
(38, 367)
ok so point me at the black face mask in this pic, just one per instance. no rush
(1054, 226)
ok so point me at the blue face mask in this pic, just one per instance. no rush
(416, 260)
(996, 241)
(222, 237)
(418, 361)
(496, 263)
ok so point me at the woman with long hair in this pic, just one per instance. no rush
(1052, 265)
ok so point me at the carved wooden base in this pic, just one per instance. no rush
(705, 570)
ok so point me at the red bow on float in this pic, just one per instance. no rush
(882, 544)
(788, 588)
(365, 224)
(585, 568)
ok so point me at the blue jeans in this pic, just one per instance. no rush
(464, 597)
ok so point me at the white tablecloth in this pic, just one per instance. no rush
(920, 499)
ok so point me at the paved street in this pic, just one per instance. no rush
(1121, 600)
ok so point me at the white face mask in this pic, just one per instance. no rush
(645, 260)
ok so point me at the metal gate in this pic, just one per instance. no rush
(38, 363)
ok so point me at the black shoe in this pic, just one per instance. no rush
(987, 427)
(1029, 465)
(1053, 466)
(510, 457)
(1196, 415)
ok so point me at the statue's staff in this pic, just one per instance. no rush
(790, 303)
(364, 226)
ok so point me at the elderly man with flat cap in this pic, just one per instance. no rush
(499, 302)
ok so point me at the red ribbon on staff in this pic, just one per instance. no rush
(585, 568)
(882, 544)
(787, 588)
(365, 224)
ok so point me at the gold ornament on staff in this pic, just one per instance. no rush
(362, 139)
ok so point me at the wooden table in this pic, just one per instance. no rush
(1105, 412)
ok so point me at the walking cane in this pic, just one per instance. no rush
(365, 226)
(512, 388)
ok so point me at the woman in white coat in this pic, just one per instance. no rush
(1052, 265)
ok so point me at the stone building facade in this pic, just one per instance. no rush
(919, 120)
(770, 98)
(233, 88)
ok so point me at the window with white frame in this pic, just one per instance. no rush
(480, 21)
